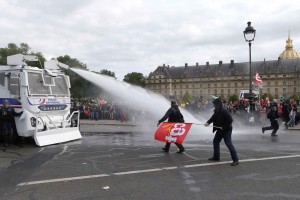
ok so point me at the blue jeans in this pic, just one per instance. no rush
(226, 135)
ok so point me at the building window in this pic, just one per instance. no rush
(187, 86)
(228, 91)
(208, 85)
(208, 91)
(284, 75)
(200, 85)
(235, 84)
(216, 85)
(268, 84)
(222, 85)
(216, 92)
(243, 84)
(295, 90)
(222, 92)
(200, 92)
(283, 83)
(276, 90)
(276, 83)
(283, 91)
(229, 85)
(268, 90)
(193, 92)
(235, 91)
(175, 93)
(180, 92)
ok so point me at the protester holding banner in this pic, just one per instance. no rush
(173, 115)
(222, 122)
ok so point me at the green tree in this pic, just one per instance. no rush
(135, 78)
(295, 97)
(233, 98)
(24, 48)
(71, 62)
(107, 73)
(187, 97)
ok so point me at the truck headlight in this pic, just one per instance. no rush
(33, 122)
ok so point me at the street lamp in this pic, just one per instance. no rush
(249, 35)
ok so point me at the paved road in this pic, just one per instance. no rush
(124, 162)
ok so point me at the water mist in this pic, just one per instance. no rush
(138, 98)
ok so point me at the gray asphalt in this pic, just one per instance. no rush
(136, 168)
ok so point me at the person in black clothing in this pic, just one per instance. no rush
(272, 115)
(7, 115)
(286, 109)
(173, 115)
(222, 122)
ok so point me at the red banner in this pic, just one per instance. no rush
(172, 132)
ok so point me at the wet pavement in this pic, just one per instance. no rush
(123, 161)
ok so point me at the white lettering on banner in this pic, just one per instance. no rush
(177, 130)
(171, 139)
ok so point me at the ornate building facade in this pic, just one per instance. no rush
(281, 77)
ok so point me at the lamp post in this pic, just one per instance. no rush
(249, 35)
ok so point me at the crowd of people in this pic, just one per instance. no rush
(242, 111)
(101, 109)
(251, 113)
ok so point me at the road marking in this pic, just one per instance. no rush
(62, 179)
(151, 170)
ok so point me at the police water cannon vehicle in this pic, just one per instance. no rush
(44, 97)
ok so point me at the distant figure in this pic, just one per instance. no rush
(173, 115)
(7, 115)
(272, 116)
(286, 109)
(292, 115)
(222, 118)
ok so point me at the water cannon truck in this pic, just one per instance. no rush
(43, 94)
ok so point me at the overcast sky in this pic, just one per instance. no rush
(138, 35)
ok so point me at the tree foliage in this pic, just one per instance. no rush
(135, 78)
(71, 62)
(187, 97)
(233, 98)
(107, 72)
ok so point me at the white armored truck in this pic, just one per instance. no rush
(44, 97)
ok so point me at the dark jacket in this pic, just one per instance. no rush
(8, 114)
(273, 113)
(286, 109)
(173, 115)
(221, 117)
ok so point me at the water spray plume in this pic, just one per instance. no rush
(132, 96)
